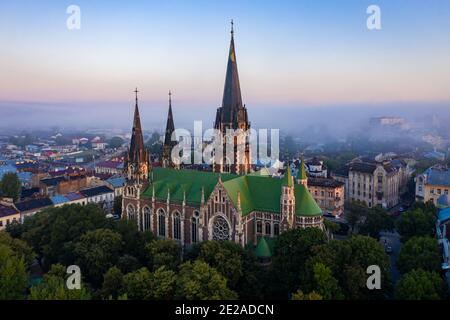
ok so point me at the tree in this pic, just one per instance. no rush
(115, 142)
(348, 260)
(420, 285)
(163, 286)
(417, 222)
(10, 186)
(327, 286)
(54, 232)
(13, 275)
(164, 252)
(20, 248)
(112, 283)
(127, 263)
(54, 287)
(419, 253)
(299, 295)
(291, 250)
(198, 281)
(137, 285)
(96, 252)
(376, 220)
(225, 257)
(356, 212)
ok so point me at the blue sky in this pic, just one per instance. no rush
(289, 53)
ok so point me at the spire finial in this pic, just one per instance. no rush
(136, 92)
(170, 97)
(232, 28)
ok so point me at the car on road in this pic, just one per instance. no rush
(388, 249)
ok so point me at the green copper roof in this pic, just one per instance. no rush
(257, 192)
(287, 179)
(305, 205)
(262, 249)
(301, 175)
(260, 193)
(180, 182)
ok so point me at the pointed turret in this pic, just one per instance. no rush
(168, 143)
(302, 178)
(137, 161)
(288, 180)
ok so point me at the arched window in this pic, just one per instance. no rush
(161, 223)
(194, 227)
(147, 218)
(268, 229)
(276, 229)
(131, 212)
(221, 229)
(259, 227)
(177, 226)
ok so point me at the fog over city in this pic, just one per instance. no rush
(315, 123)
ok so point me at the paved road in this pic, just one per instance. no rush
(392, 239)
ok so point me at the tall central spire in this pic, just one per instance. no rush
(170, 127)
(137, 153)
(232, 100)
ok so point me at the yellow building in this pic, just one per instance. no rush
(8, 213)
(328, 193)
(433, 184)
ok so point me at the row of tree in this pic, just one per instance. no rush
(119, 262)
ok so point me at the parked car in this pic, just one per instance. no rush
(388, 249)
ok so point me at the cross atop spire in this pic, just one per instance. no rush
(232, 28)
(136, 92)
(170, 98)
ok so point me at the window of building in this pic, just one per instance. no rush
(161, 223)
(276, 229)
(177, 226)
(131, 212)
(194, 227)
(439, 191)
(221, 229)
(268, 228)
(147, 218)
(259, 227)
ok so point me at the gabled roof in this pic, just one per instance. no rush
(33, 204)
(7, 210)
(92, 192)
(180, 182)
(72, 196)
(264, 193)
(116, 182)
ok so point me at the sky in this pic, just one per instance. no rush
(292, 56)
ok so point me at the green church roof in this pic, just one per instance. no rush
(262, 249)
(180, 182)
(257, 192)
(264, 193)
